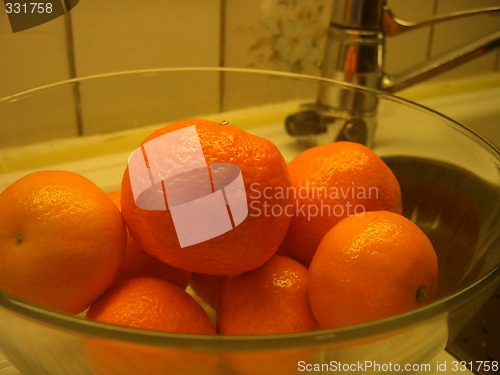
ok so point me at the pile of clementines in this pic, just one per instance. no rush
(323, 245)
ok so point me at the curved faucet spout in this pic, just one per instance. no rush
(355, 53)
(395, 26)
(441, 63)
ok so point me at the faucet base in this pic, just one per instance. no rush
(317, 125)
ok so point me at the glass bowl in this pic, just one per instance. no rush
(449, 178)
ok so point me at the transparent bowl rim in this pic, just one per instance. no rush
(71, 323)
(89, 328)
(262, 72)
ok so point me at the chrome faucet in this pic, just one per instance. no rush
(354, 53)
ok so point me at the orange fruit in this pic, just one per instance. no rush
(207, 287)
(271, 299)
(331, 182)
(109, 357)
(152, 304)
(61, 240)
(136, 262)
(207, 157)
(371, 266)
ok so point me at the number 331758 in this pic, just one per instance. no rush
(462, 366)
(25, 8)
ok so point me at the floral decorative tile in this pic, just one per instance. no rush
(286, 35)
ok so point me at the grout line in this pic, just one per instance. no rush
(432, 31)
(70, 44)
(222, 36)
(222, 50)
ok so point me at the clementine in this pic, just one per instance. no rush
(195, 198)
(61, 240)
(108, 357)
(271, 299)
(136, 262)
(331, 182)
(371, 266)
(152, 304)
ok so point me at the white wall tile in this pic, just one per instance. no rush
(32, 57)
(118, 35)
(453, 34)
(408, 49)
(29, 59)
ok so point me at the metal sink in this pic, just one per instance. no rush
(478, 108)
(480, 111)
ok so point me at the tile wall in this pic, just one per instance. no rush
(105, 36)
